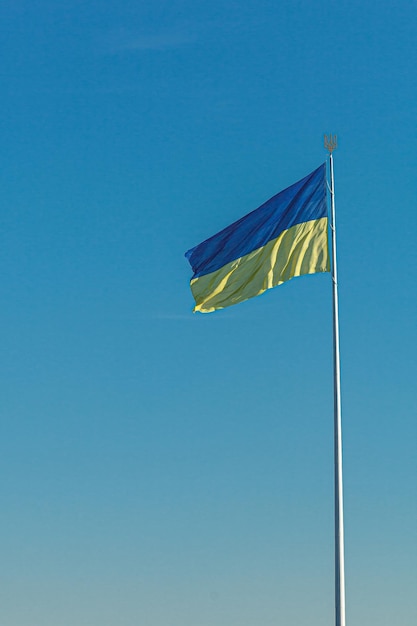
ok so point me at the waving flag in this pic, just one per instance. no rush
(283, 238)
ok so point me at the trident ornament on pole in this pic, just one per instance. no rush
(330, 142)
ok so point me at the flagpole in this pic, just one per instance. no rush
(331, 144)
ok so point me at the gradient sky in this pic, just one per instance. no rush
(161, 468)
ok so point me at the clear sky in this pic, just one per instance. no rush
(160, 468)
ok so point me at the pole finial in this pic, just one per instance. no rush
(330, 142)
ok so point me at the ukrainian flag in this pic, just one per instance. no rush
(283, 238)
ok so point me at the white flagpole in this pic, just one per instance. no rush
(331, 143)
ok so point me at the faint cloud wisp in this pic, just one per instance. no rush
(167, 38)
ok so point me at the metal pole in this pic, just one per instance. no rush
(338, 476)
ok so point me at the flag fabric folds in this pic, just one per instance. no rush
(283, 238)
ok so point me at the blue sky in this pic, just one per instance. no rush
(161, 468)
